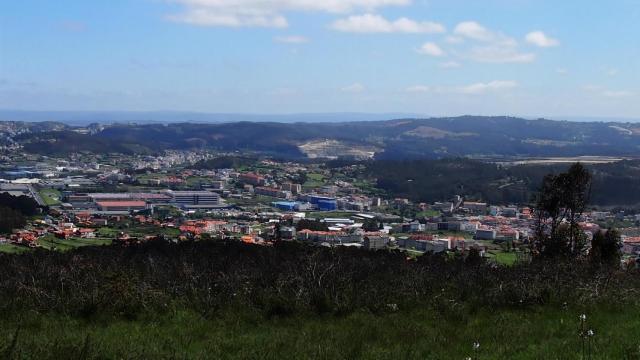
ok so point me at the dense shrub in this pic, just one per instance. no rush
(284, 279)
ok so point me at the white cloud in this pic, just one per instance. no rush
(291, 39)
(481, 88)
(431, 49)
(473, 30)
(491, 46)
(617, 94)
(417, 89)
(539, 38)
(562, 71)
(612, 72)
(207, 17)
(454, 39)
(372, 23)
(262, 13)
(500, 54)
(353, 88)
(450, 65)
(602, 91)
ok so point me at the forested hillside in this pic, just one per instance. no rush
(395, 139)
(437, 180)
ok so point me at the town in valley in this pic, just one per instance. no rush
(95, 200)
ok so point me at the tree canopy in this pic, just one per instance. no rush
(559, 204)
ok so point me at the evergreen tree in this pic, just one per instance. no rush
(559, 205)
(605, 248)
(313, 225)
(370, 225)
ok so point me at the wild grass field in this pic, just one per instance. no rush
(539, 333)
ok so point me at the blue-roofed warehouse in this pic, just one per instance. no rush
(285, 205)
(327, 205)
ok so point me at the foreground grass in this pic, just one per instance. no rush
(542, 333)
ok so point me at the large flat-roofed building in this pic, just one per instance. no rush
(252, 179)
(16, 189)
(323, 203)
(375, 242)
(273, 192)
(485, 234)
(293, 188)
(147, 197)
(122, 205)
(194, 198)
(479, 208)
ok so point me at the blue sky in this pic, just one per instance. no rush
(435, 57)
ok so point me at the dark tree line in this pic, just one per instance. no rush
(371, 225)
(23, 204)
(10, 219)
(314, 225)
(14, 210)
(438, 180)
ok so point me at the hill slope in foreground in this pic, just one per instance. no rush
(232, 300)
(394, 139)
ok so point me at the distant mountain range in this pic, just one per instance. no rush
(407, 138)
(83, 118)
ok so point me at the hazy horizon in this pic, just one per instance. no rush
(169, 116)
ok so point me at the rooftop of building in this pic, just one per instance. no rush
(121, 203)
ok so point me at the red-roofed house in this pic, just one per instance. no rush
(631, 245)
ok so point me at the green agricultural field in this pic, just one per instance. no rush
(505, 258)
(107, 232)
(12, 249)
(428, 213)
(142, 230)
(368, 186)
(314, 180)
(53, 243)
(315, 177)
(50, 196)
(146, 177)
(198, 180)
(541, 333)
(170, 232)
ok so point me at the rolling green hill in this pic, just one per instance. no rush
(394, 139)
